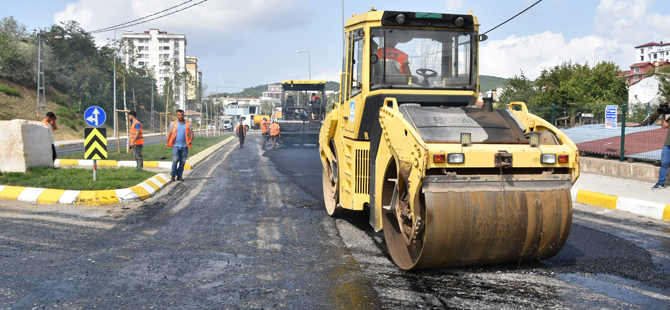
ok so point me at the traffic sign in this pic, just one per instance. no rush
(95, 141)
(610, 116)
(95, 116)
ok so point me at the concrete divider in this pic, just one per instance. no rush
(619, 169)
(640, 207)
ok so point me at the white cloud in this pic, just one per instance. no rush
(507, 57)
(222, 20)
(619, 26)
(630, 21)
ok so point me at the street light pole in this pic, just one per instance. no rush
(115, 30)
(309, 62)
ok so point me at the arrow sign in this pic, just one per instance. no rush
(95, 116)
(95, 143)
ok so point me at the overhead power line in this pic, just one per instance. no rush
(528, 8)
(144, 19)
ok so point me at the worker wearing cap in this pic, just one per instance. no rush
(265, 131)
(50, 121)
(136, 141)
(274, 133)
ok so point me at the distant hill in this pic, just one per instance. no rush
(257, 91)
(487, 82)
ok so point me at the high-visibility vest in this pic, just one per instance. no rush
(48, 124)
(173, 131)
(264, 127)
(274, 129)
(136, 136)
(244, 130)
(395, 54)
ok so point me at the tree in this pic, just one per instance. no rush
(519, 88)
(664, 82)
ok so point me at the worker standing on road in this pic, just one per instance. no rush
(180, 138)
(274, 133)
(136, 139)
(50, 121)
(665, 156)
(241, 133)
(265, 131)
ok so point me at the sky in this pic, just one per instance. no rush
(248, 43)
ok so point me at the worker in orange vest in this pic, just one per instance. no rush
(136, 141)
(241, 133)
(50, 121)
(265, 131)
(274, 133)
(180, 138)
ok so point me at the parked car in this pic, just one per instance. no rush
(228, 125)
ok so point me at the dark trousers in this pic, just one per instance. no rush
(137, 152)
(241, 140)
(53, 152)
(266, 137)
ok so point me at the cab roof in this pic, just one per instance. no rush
(415, 19)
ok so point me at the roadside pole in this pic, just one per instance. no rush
(95, 139)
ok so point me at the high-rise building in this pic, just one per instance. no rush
(165, 54)
(192, 83)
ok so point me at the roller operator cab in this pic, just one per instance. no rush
(449, 182)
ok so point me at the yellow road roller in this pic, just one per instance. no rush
(451, 183)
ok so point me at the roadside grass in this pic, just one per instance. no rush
(156, 151)
(76, 178)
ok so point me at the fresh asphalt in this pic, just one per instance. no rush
(247, 229)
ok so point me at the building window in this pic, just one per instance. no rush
(636, 78)
(140, 48)
(141, 63)
(641, 58)
(641, 51)
(637, 69)
(655, 56)
(166, 48)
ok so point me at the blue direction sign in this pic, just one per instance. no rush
(95, 116)
(610, 116)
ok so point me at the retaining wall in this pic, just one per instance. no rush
(626, 170)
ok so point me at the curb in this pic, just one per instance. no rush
(640, 207)
(138, 192)
(141, 191)
(191, 162)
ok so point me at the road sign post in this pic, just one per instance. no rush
(95, 139)
(95, 147)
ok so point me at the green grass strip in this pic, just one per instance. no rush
(76, 178)
(155, 152)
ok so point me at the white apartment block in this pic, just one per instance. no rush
(652, 52)
(160, 51)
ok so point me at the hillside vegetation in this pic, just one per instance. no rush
(78, 75)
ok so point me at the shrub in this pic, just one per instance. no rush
(58, 100)
(10, 91)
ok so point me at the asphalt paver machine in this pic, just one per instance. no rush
(449, 182)
(303, 108)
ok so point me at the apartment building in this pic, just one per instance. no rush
(165, 54)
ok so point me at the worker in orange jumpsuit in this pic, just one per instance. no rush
(241, 133)
(274, 133)
(265, 131)
(136, 141)
(50, 121)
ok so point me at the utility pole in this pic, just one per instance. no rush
(40, 77)
(152, 105)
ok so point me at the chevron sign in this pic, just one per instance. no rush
(95, 140)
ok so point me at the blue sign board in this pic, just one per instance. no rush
(95, 116)
(610, 116)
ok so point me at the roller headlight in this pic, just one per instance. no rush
(548, 158)
(455, 158)
(400, 19)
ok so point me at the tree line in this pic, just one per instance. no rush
(572, 88)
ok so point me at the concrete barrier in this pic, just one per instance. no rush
(25, 144)
(619, 169)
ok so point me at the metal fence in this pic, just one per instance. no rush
(632, 141)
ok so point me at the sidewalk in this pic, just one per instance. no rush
(622, 194)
